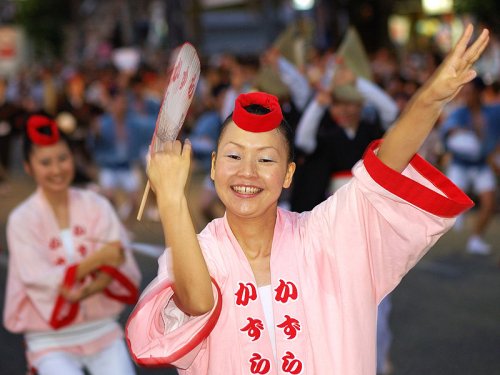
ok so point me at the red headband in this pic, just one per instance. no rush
(33, 126)
(253, 122)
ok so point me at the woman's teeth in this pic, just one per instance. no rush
(246, 189)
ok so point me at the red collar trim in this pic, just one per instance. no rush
(35, 122)
(253, 122)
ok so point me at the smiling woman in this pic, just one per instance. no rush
(251, 167)
(267, 291)
(71, 271)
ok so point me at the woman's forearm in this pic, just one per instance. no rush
(192, 284)
(110, 254)
(408, 134)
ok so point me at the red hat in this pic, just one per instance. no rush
(254, 122)
(33, 126)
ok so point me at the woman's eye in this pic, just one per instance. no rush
(235, 157)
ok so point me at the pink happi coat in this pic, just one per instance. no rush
(38, 266)
(329, 270)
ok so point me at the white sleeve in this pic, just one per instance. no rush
(331, 68)
(296, 83)
(305, 135)
(385, 105)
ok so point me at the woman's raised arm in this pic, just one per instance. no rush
(417, 120)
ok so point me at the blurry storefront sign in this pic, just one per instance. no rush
(428, 27)
(399, 29)
(303, 4)
(433, 7)
(12, 48)
(445, 31)
(220, 3)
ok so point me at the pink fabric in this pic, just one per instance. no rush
(38, 264)
(330, 268)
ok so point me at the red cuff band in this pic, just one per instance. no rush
(133, 293)
(256, 123)
(33, 126)
(65, 312)
(451, 204)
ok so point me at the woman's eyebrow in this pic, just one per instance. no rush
(258, 148)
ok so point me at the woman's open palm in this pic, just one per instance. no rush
(456, 70)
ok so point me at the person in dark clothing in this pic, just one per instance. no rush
(10, 115)
(342, 136)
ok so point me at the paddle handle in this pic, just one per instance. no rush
(143, 201)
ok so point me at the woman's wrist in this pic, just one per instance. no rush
(171, 203)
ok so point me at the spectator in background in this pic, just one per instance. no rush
(118, 138)
(203, 138)
(10, 115)
(471, 134)
(74, 118)
(333, 133)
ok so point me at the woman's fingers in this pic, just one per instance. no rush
(177, 147)
(461, 45)
(478, 47)
(472, 54)
(464, 57)
(186, 150)
(174, 147)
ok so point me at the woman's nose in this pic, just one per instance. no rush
(56, 167)
(248, 167)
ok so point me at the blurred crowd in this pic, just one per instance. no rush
(335, 102)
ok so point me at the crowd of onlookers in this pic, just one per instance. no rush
(110, 115)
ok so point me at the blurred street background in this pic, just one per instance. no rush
(70, 58)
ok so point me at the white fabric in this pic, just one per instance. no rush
(481, 179)
(296, 82)
(266, 299)
(69, 246)
(125, 179)
(350, 133)
(465, 143)
(385, 105)
(307, 128)
(337, 182)
(114, 360)
(76, 334)
(228, 105)
(331, 68)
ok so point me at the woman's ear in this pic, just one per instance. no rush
(212, 169)
(27, 168)
(290, 170)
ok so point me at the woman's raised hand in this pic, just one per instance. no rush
(456, 70)
(168, 170)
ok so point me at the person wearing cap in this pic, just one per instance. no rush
(264, 290)
(71, 271)
(471, 134)
(333, 133)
